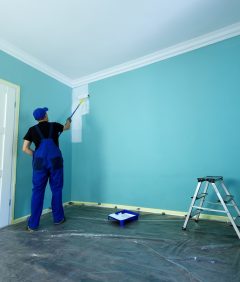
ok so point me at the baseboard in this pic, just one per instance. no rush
(24, 218)
(133, 208)
(148, 210)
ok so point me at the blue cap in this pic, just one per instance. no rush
(40, 113)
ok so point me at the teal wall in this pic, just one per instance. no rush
(152, 131)
(37, 90)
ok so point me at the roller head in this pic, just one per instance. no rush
(82, 100)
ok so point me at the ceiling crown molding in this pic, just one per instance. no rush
(33, 62)
(163, 54)
(193, 44)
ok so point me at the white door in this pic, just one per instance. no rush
(8, 94)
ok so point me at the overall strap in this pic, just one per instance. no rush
(39, 132)
(50, 130)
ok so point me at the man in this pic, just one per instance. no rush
(47, 165)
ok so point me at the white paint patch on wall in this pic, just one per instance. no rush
(79, 93)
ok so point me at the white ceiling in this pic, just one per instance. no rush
(76, 38)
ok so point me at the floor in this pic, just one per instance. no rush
(88, 247)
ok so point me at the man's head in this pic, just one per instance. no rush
(40, 113)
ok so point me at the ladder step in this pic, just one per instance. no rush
(218, 203)
(227, 199)
(202, 195)
(211, 179)
(194, 213)
(207, 209)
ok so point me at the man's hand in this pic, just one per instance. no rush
(67, 124)
(26, 147)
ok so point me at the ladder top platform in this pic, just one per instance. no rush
(211, 179)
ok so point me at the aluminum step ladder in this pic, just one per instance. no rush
(224, 198)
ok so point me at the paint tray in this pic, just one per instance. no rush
(123, 216)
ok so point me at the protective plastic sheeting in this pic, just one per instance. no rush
(88, 247)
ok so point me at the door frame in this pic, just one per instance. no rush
(14, 146)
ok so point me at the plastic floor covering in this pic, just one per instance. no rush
(88, 247)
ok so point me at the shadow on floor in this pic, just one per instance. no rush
(88, 247)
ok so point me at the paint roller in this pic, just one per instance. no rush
(81, 101)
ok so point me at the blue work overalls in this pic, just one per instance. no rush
(47, 165)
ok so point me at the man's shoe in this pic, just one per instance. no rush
(60, 222)
(31, 229)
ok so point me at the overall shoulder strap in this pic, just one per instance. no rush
(39, 132)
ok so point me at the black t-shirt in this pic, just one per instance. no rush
(33, 136)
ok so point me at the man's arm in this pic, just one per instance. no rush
(67, 124)
(26, 147)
